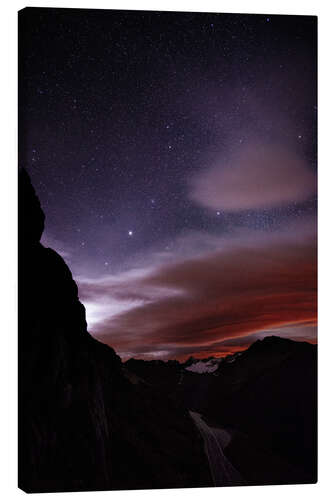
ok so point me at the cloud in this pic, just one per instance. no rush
(248, 284)
(256, 177)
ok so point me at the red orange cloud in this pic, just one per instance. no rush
(195, 304)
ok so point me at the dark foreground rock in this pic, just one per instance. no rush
(84, 423)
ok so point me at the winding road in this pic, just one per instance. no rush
(223, 472)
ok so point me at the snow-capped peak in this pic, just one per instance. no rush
(208, 366)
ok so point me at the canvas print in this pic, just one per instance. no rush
(167, 249)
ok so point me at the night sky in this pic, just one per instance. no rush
(174, 155)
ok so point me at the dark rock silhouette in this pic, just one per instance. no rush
(266, 396)
(84, 422)
(163, 375)
(270, 393)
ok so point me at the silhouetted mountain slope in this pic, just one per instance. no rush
(270, 392)
(163, 375)
(84, 423)
(267, 396)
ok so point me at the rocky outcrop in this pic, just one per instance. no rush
(83, 423)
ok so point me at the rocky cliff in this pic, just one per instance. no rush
(83, 423)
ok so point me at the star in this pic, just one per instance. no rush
(130, 233)
(218, 213)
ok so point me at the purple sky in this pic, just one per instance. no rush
(175, 159)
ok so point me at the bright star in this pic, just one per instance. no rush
(130, 233)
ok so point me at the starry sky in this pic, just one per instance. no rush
(175, 157)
